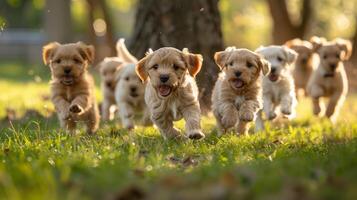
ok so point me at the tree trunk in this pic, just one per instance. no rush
(195, 24)
(58, 26)
(283, 27)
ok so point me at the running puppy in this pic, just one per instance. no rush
(329, 79)
(278, 86)
(72, 87)
(171, 91)
(236, 96)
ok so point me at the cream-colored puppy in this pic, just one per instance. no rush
(236, 96)
(171, 91)
(329, 79)
(129, 96)
(278, 86)
(109, 68)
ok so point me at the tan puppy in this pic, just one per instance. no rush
(278, 86)
(236, 96)
(304, 65)
(171, 92)
(329, 79)
(109, 68)
(129, 95)
(72, 87)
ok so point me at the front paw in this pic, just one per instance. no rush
(75, 108)
(228, 121)
(271, 115)
(172, 134)
(195, 134)
(247, 116)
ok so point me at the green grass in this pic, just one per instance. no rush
(305, 159)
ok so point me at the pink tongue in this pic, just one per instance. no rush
(238, 83)
(164, 90)
(273, 77)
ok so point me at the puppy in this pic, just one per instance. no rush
(278, 86)
(236, 96)
(304, 65)
(109, 68)
(171, 92)
(129, 96)
(329, 79)
(72, 87)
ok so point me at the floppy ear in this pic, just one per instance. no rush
(86, 51)
(48, 51)
(317, 42)
(194, 63)
(264, 65)
(220, 58)
(346, 48)
(291, 55)
(293, 42)
(141, 69)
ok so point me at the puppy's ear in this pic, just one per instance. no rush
(317, 42)
(293, 42)
(264, 65)
(346, 48)
(86, 51)
(220, 58)
(48, 52)
(291, 55)
(140, 69)
(193, 61)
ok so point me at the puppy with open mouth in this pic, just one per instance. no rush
(171, 91)
(278, 86)
(72, 87)
(236, 96)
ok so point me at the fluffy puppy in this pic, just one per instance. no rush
(109, 68)
(329, 79)
(304, 65)
(278, 86)
(72, 87)
(129, 96)
(171, 91)
(236, 96)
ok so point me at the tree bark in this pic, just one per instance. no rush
(195, 24)
(57, 19)
(283, 27)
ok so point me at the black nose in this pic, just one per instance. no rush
(109, 84)
(238, 73)
(67, 70)
(333, 66)
(164, 78)
(273, 70)
(133, 89)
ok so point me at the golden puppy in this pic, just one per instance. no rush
(108, 70)
(304, 65)
(72, 87)
(329, 79)
(278, 86)
(171, 92)
(236, 96)
(129, 96)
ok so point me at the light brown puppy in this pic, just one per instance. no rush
(304, 65)
(171, 92)
(329, 79)
(72, 87)
(237, 94)
(109, 68)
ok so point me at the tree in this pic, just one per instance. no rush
(195, 24)
(283, 27)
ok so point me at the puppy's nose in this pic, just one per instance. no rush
(238, 73)
(273, 70)
(133, 89)
(109, 84)
(333, 66)
(67, 70)
(164, 78)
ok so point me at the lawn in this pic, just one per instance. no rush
(305, 159)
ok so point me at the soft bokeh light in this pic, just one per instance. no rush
(100, 27)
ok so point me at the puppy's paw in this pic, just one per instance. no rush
(246, 116)
(271, 115)
(75, 108)
(229, 121)
(172, 134)
(195, 135)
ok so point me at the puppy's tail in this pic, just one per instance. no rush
(123, 52)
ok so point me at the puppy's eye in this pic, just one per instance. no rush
(77, 61)
(155, 67)
(324, 56)
(230, 64)
(127, 78)
(280, 59)
(176, 67)
(249, 64)
(58, 61)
